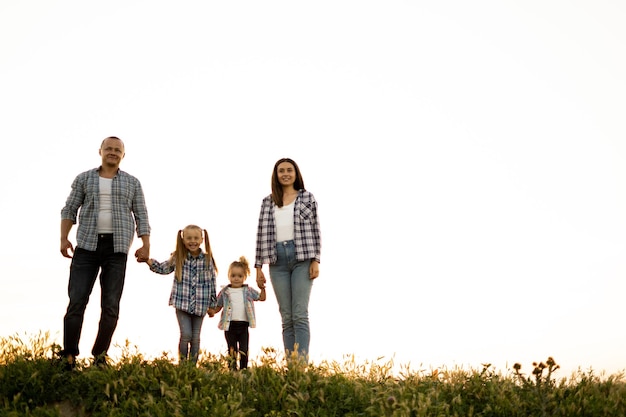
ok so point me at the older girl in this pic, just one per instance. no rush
(193, 289)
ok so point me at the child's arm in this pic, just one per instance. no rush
(148, 261)
(218, 302)
(162, 268)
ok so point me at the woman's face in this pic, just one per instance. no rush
(286, 174)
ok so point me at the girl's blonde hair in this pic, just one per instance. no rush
(241, 263)
(180, 254)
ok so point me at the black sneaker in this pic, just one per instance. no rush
(100, 361)
(68, 362)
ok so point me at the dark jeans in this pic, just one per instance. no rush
(83, 273)
(237, 338)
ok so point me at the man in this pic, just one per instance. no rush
(112, 206)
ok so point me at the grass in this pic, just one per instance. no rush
(33, 383)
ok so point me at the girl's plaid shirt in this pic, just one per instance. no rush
(195, 292)
(223, 300)
(307, 236)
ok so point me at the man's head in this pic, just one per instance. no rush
(112, 152)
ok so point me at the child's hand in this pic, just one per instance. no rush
(211, 312)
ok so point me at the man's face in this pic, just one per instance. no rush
(112, 152)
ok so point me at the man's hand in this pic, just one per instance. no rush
(143, 254)
(66, 246)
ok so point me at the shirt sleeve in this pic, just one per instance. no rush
(140, 211)
(162, 268)
(220, 299)
(253, 294)
(74, 200)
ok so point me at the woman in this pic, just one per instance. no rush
(288, 239)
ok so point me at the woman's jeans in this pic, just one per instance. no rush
(292, 287)
(83, 273)
(189, 344)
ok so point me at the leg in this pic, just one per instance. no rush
(280, 276)
(301, 286)
(184, 323)
(196, 327)
(112, 284)
(83, 273)
(231, 342)
(244, 338)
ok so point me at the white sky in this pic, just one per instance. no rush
(469, 160)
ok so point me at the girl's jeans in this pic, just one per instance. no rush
(292, 287)
(189, 344)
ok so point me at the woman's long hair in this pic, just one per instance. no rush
(180, 254)
(277, 188)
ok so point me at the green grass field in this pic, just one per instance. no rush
(34, 383)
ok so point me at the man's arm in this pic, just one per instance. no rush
(143, 253)
(66, 245)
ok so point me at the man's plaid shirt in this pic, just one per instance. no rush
(127, 203)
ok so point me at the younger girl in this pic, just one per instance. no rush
(237, 299)
(193, 289)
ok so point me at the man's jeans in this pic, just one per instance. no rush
(292, 287)
(83, 273)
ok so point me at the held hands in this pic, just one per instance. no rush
(143, 254)
(212, 311)
(260, 278)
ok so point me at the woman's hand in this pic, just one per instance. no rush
(260, 278)
(314, 269)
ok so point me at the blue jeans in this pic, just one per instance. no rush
(83, 273)
(292, 287)
(189, 343)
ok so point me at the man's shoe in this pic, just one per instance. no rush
(69, 362)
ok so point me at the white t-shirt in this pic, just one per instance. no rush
(283, 219)
(105, 212)
(237, 304)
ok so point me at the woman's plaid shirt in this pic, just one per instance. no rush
(195, 292)
(307, 237)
